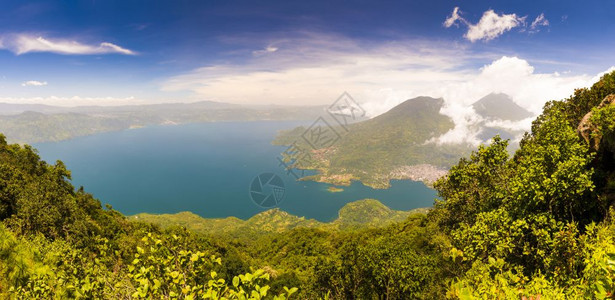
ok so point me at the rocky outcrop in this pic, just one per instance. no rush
(588, 131)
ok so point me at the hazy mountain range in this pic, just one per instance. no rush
(32, 123)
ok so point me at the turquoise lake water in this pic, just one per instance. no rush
(206, 168)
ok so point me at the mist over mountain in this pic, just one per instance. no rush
(500, 115)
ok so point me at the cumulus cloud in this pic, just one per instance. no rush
(26, 43)
(34, 83)
(492, 25)
(510, 75)
(315, 70)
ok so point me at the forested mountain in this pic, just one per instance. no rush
(401, 143)
(537, 224)
(394, 145)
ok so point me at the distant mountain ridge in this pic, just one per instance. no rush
(41, 123)
(15, 108)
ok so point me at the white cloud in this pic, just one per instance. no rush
(509, 75)
(316, 69)
(452, 20)
(492, 25)
(539, 21)
(34, 83)
(26, 43)
(268, 49)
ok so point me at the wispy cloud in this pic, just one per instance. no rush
(268, 49)
(492, 25)
(26, 43)
(315, 68)
(455, 16)
(34, 83)
(539, 21)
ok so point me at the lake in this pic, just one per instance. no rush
(207, 169)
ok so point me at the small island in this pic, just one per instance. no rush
(334, 189)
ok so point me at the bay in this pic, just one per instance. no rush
(206, 168)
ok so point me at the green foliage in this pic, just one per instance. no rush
(36, 197)
(398, 262)
(604, 120)
(160, 269)
(474, 185)
(552, 172)
(527, 228)
(497, 279)
(585, 99)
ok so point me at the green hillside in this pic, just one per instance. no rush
(538, 224)
(271, 221)
(373, 150)
(355, 215)
(370, 213)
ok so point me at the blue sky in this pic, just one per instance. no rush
(299, 52)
